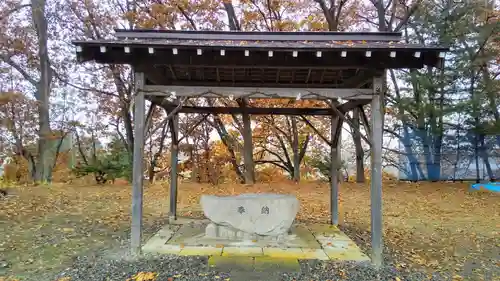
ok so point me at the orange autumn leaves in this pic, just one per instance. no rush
(144, 276)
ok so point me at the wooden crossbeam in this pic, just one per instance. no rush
(346, 107)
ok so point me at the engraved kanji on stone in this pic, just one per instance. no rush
(241, 209)
(265, 210)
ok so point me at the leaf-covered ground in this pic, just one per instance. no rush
(432, 226)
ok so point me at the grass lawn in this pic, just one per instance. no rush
(435, 226)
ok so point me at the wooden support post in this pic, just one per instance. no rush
(247, 146)
(376, 171)
(137, 166)
(295, 149)
(334, 169)
(174, 156)
(339, 153)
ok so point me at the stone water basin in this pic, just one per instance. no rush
(265, 214)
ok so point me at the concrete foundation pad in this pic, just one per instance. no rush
(320, 228)
(328, 233)
(335, 244)
(295, 253)
(200, 251)
(306, 241)
(303, 238)
(314, 254)
(164, 249)
(276, 264)
(182, 221)
(159, 240)
(242, 251)
(347, 256)
(167, 232)
(231, 263)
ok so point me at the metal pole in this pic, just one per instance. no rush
(376, 171)
(137, 166)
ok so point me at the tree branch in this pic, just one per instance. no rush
(315, 130)
(276, 163)
(408, 14)
(19, 69)
(13, 10)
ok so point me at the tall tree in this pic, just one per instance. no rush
(26, 49)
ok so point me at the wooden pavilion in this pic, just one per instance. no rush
(330, 66)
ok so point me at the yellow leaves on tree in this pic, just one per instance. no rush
(269, 174)
(214, 165)
(10, 97)
(62, 168)
(314, 22)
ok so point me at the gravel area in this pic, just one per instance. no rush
(171, 268)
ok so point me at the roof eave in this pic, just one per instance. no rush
(395, 47)
(254, 35)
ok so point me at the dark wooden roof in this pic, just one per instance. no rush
(259, 59)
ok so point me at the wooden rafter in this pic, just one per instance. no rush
(343, 108)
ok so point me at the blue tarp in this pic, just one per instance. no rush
(491, 186)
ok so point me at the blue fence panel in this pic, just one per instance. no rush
(454, 156)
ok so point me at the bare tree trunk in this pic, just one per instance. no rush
(45, 161)
(484, 155)
(151, 174)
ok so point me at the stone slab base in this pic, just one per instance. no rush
(260, 263)
(311, 241)
(242, 252)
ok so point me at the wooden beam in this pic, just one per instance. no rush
(308, 75)
(258, 36)
(376, 171)
(346, 119)
(172, 71)
(360, 79)
(174, 157)
(248, 92)
(343, 108)
(187, 55)
(336, 126)
(137, 166)
(247, 144)
(356, 135)
(267, 67)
